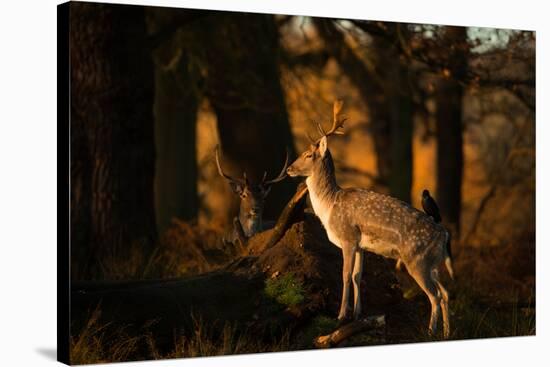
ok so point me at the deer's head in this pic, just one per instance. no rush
(309, 160)
(252, 196)
(317, 155)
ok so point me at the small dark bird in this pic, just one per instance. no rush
(430, 206)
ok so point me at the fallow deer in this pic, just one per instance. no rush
(252, 203)
(358, 220)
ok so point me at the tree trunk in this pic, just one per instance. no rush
(399, 103)
(449, 131)
(401, 140)
(243, 86)
(175, 132)
(389, 105)
(112, 150)
(175, 110)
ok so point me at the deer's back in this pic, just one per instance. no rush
(381, 223)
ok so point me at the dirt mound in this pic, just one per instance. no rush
(268, 291)
(306, 252)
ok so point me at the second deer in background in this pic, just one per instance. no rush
(252, 195)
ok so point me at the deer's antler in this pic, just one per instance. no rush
(281, 175)
(337, 122)
(311, 140)
(223, 174)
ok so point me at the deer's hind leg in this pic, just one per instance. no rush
(444, 305)
(424, 279)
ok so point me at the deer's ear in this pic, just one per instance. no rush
(323, 146)
(236, 187)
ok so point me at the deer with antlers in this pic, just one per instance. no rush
(252, 195)
(358, 220)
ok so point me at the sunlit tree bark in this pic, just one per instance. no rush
(243, 87)
(386, 93)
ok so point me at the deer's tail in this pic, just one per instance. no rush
(449, 256)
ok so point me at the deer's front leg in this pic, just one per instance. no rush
(356, 278)
(348, 252)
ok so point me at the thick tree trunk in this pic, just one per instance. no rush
(243, 86)
(396, 75)
(175, 132)
(389, 105)
(372, 94)
(112, 151)
(449, 132)
(175, 110)
(401, 143)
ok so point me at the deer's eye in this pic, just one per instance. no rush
(309, 155)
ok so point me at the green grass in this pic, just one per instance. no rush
(286, 290)
(320, 325)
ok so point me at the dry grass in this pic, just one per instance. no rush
(105, 343)
(493, 296)
(502, 273)
(481, 320)
(95, 345)
(210, 341)
(187, 249)
(184, 249)
(471, 317)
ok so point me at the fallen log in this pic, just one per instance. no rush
(348, 330)
(285, 219)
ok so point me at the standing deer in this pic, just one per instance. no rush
(358, 220)
(253, 195)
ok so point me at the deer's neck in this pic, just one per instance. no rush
(323, 188)
(251, 224)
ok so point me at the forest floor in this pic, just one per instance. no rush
(226, 301)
